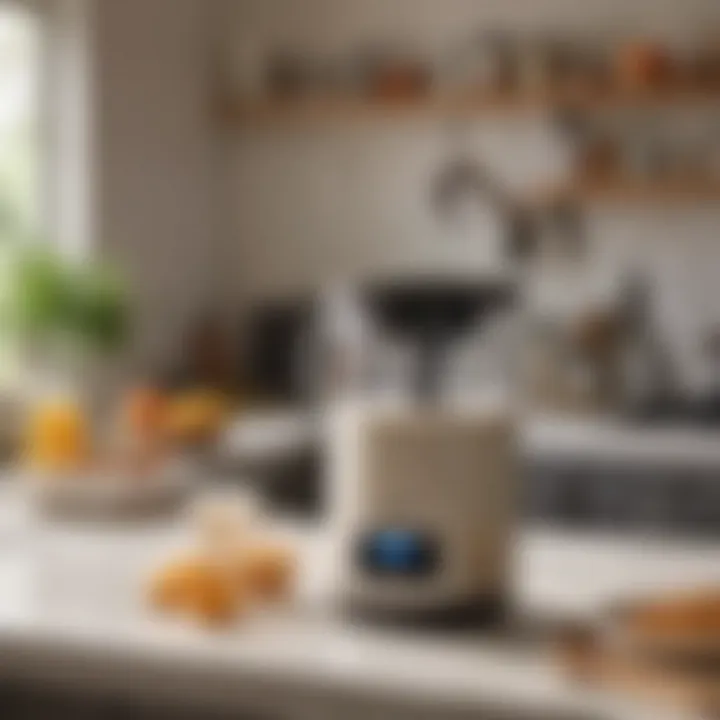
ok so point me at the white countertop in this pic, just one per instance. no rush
(611, 439)
(72, 610)
(279, 433)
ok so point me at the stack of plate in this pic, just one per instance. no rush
(111, 495)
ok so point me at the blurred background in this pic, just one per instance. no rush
(480, 237)
(269, 151)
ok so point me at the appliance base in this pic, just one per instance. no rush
(481, 612)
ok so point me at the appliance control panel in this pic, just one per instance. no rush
(398, 553)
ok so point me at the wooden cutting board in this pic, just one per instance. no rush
(589, 656)
(682, 629)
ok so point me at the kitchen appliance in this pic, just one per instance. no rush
(423, 488)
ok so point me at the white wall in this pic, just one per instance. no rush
(198, 220)
(152, 160)
(309, 205)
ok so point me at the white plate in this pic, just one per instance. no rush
(110, 495)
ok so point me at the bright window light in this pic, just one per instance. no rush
(20, 124)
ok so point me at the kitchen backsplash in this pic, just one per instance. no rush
(308, 204)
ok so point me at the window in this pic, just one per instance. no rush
(22, 148)
(20, 124)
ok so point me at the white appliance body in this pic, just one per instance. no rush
(423, 504)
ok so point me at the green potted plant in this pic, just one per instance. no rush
(65, 317)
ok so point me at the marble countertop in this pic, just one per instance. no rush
(611, 439)
(72, 610)
(279, 432)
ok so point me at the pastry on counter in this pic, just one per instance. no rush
(218, 589)
(267, 570)
(223, 520)
(197, 587)
(236, 565)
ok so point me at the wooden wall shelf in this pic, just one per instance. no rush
(631, 191)
(267, 112)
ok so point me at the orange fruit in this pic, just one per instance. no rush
(144, 412)
(57, 437)
(196, 416)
